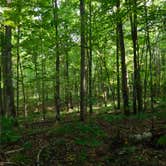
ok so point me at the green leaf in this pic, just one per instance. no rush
(9, 23)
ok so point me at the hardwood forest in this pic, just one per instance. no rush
(82, 83)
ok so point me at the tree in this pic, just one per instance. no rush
(57, 68)
(123, 63)
(82, 63)
(137, 88)
(90, 58)
(117, 68)
(7, 71)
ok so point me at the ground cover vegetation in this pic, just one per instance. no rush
(82, 82)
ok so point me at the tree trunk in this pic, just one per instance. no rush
(23, 91)
(150, 59)
(67, 96)
(123, 64)
(8, 83)
(117, 69)
(43, 83)
(82, 64)
(57, 65)
(90, 58)
(1, 76)
(18, 64)
(137, 88)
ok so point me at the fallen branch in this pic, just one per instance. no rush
(8, 163)
(13, 151)
(38, 155)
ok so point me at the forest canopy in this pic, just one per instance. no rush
(82, 82)
(122, 54)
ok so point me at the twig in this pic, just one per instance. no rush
(38, 155)
(7, 163)
(13, 151)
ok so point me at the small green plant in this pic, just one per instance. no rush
(82, 157)
(27, 145)
(8, 132)
(162, 141)
(20, 159)
(141, 116)
(112, 118)
(91, 142)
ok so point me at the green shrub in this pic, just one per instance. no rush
(162, 141)
(8, 133)
(91, 142)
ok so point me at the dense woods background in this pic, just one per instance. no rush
(63, 56)
(122, 55)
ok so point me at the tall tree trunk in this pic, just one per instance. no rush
(123, 64)
(90, 58)
(1, 107)
(67, 95)
(57, 66)
(18, 65)
(150, 58)
(43, 90)
(1, 79)
(43, 83)
(145, 80)
(117, 69)
(37, 82)
(8, 83)
(23, 91)
(82, 64)
(137, 88)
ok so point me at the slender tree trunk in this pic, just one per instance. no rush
(67, 96)
(37, 82)
(1, 108)
(23, 90)
(1, 79)
(57, 66)
(150, 59)
(137, 88)
(145, 82)
(18, 64)
(43, 83)
(151, 75)
(117, 69)
(43, 90)
(8, 83)
(90, 58)
(82, 64)
(123, 64)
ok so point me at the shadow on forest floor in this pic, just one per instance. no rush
(104, 139)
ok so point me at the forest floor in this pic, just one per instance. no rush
(105, 139)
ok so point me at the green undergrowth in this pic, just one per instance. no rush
(140, 116)
(162, 141)
(9, 132)
(86, 134)
(112, 118)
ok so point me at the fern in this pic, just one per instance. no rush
(162, 141)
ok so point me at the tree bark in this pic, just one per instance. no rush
(8, 83)
(150, 59)
(57, 65)
(123, 64)
(18, 65)
(1, 76)
(82, 64)
(90, 58)
(137, 88)
(117, 69)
